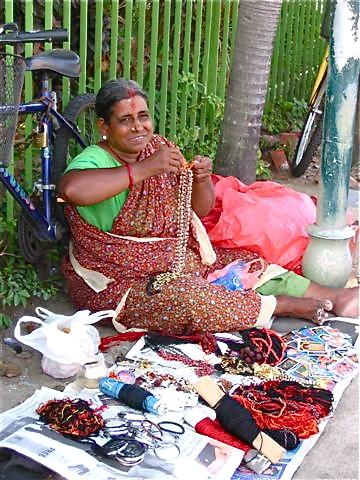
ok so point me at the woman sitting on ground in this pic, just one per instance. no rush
(123, 214)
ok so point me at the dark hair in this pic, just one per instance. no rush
(114, 91)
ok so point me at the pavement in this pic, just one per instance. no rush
(335, 456)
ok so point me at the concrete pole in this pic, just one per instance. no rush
(327, 259)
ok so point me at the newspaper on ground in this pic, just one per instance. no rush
(200, 457)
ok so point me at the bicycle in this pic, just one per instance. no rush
(41, 221)
(311, 133)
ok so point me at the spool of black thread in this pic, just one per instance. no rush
(236, 419)
(134, 396)
(239, 422)
(286, 438)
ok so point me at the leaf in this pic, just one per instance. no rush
(5, 321)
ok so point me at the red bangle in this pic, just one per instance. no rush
(131, 178)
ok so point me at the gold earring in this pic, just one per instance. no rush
(103, 137)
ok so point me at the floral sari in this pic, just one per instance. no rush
(112, 269)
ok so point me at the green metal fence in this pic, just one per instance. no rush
(180, 51)
(298, 50)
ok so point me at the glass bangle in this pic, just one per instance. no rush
(167, 451)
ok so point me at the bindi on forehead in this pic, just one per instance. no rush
(131, 92)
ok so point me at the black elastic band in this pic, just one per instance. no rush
(169, 430)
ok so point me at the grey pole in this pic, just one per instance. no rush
(327, 259)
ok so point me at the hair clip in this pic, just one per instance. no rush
(171, 427)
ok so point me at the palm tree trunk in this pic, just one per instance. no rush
(247, 88)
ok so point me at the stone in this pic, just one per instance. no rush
(25, 354)
(9, 369)
(279, 160)
(289, 138)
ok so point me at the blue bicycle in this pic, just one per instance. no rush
(41, 221)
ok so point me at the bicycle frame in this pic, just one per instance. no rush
(48, 230)
(320, 76)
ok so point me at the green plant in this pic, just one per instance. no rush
(263, 171)
(5, 321)
(188, 139)
(18, 280)
(285, 116)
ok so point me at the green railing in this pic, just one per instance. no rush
(298, 50)
(180, 51)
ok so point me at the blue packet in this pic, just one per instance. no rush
(232, 278)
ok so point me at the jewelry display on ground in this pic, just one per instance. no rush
(259, 345)
(132, 437)
(139, 415)
(235, 366)
(201, 368)
(152, 379)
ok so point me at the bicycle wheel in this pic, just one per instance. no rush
(80, 113)
(311, 135)
(33, 249)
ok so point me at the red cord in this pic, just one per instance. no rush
(108, 342)
(71, 417)
(286, 405)
(213, 429)
(130, 175)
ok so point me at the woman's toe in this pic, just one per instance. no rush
(327, 305)
(321, 313)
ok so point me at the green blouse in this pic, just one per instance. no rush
(103, 214)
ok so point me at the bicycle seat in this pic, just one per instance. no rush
(61, 61)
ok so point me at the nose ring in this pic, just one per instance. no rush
(133, 129)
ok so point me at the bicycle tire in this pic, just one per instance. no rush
(310, 137)
(32, 248)
(310, 151)
(77, 106)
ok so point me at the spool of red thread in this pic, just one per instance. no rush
(202, 420)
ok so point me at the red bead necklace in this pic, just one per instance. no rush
(201, 368)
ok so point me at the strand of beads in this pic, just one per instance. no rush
(183, 224)
(153, 379)
(201, 368)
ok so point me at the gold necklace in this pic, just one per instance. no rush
(236, 366)
(183, 223)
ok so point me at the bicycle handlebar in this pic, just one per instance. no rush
(9, 34)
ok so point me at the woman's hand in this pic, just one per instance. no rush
(203, 195)
(202, 168)
(164, 160)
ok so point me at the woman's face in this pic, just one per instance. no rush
(130, 126)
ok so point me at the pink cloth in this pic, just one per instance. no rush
(264, 217)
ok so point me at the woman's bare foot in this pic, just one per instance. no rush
(310, 308)
(345, 300)
(347, 303)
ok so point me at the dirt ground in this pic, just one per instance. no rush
(329, 459)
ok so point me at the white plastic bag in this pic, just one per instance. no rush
(66, 342)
